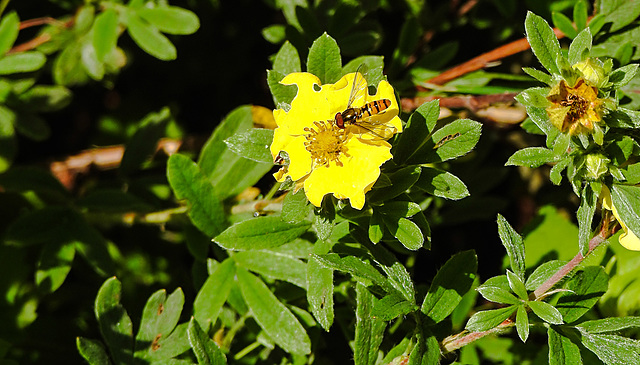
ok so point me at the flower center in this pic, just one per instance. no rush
(578, 107)
(325, 142)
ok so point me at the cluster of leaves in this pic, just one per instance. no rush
(81, 48)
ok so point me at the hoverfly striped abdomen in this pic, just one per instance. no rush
(375, 107)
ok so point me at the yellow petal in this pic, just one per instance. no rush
(627, 239)
(351, 180)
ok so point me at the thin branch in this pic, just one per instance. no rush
(571, 265)
(481, 61)
(40, 21)
(464, 338)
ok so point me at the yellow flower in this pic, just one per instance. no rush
(575, 109)
(627, 239)
(323, 157)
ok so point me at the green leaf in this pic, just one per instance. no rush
(32, 126)
(320, 292)
(542, 273)
(497, 295)
(626, 199)
(274, 266)
(401, 181)
(206, 350)
(369, 329)
(9, 28)
(45, 98)
(538, 75)
(274, 34)
(376, 230)
(324, 59)
(623, 75)
(8, 145)
(373, 64)
(391, 307)
(563, 23)
(229, 172)
(620, 12)
(531, 157)
(287, 59)
(451, 141)
(361, 270)
(92, 351)
(67, 67)
(442, 184)
(252, 144)
(22, 62)
(188, 182)
(39, 226)
(586, 211)
(144, 141)
(149, 38)
(94, 67)
(397, 274)
(612, 324)
(105, 33)
(91, 245)
(406, 231)
(115, 324)
(562, 351)
(213, 293)
(546, 312)
(170, 19)
(586, 287)
(580, 47)
(324, 219)
(159, 318)
(295, 207)
(112, 201)
(580, 14)
(273, 316)
(611, 349)
(260, 233)
(522, 323)
(282, 94)
(23, 179)
(421, 123)
(486, 320)
(55, 263)
(83, 19)
(543, 41)
(517, 285)
(514, 245)
(451, 282)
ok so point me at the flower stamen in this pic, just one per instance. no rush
(325, 143)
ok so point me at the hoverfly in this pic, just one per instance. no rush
(361, 116)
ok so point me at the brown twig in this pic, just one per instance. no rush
(103, 158)
(482, 60)
(41, 38)
(40, 21)
(471, 102)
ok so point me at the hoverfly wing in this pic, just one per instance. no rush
(358, 89)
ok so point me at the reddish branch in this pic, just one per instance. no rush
(484, 59)
(40, 39)
(102, 158)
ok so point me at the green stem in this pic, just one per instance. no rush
(273, 191)
(246, 350)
